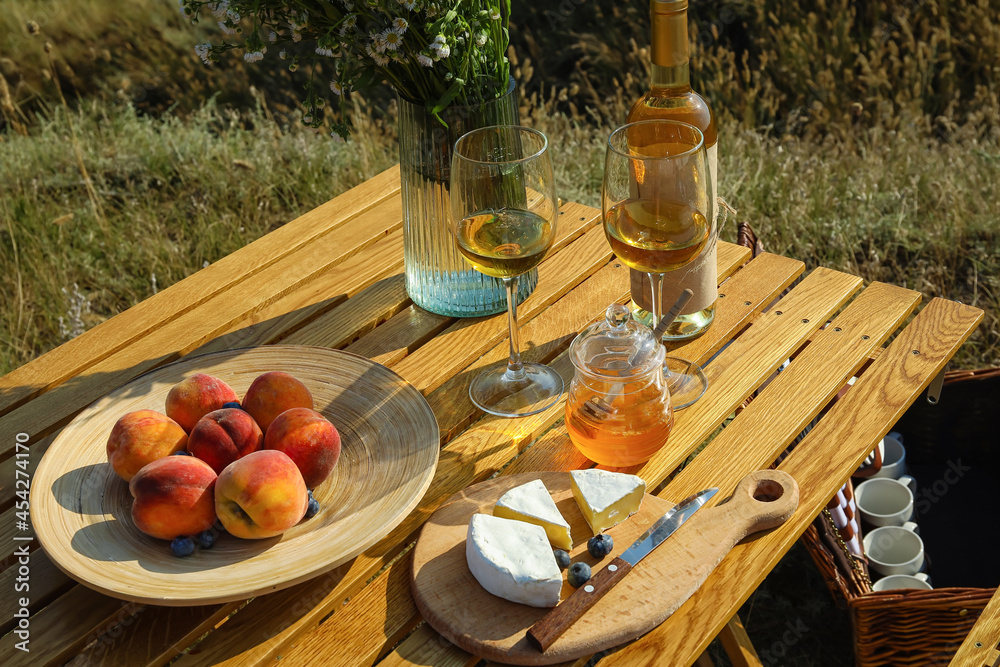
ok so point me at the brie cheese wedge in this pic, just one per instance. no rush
(532, 503)
(606, 498)
(513, 560)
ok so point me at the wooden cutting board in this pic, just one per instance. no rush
(454, 604)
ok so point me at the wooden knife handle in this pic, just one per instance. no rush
(551, 626)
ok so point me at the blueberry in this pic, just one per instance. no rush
(313, 507)
(600, 546)
(182, 546)
(206, 538)
(562, 558)
(183, 452)
(232, 404)
(309, 492)
(579, 573)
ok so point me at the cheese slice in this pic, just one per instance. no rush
(531, 502)
(513, 560)
(606, 498)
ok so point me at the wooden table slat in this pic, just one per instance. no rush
(426, 647)
(856, 423)
(986, 631)
(366, 628)
(153, 637)
(354, 281)
(369, 309)
(57, 635)
(76, 355)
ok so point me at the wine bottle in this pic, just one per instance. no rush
(670, 97)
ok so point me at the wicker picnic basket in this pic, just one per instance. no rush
(923, 627)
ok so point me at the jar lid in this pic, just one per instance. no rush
(617, 347)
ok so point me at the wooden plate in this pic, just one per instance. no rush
(81, 509)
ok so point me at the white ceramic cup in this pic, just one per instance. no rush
(895, 549)
(886, 501)
(893, 457)
(895, 581)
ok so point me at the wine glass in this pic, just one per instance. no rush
(504, 213)
(658, 215)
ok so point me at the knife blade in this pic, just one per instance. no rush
(551, 626)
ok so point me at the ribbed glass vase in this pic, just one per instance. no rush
(438, 279)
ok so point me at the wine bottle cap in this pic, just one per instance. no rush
(664, 6)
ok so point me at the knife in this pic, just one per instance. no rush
(551, 626)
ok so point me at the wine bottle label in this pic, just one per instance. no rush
(701, 276)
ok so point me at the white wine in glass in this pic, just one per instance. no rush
(504, 219)
(659, 216)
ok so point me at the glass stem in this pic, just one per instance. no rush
(655, 303)
(515, 369)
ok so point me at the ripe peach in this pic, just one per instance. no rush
(190, 400)
(141, 437)
(261, 495)
(309, 439)
(174, 496)
(271, 394)
(222, 436)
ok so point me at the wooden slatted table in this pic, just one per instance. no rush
(333, 278)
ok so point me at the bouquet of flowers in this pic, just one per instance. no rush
(433, 52)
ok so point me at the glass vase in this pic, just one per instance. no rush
(438, 279)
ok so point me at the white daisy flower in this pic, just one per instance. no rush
(424, 60)
(400, 24)
(444, 51)
(392, 39)
(336, 88)
(254, 56)
(376, 56)
(272, 37)
(481, 38)
(495, 14)
(411, 5)
(283, 54)
(184, 11)
(440, 39)
(324, 52)
(204, 51)
(226, 29)
(220, 8)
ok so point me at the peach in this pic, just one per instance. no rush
(222, 436)
(261, 495)
(271, 394)
(141, 437)
(309, 439)
(174, 496)
(190, 400)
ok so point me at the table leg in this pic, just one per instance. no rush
(737, 644)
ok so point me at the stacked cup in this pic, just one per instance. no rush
(885, 501)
